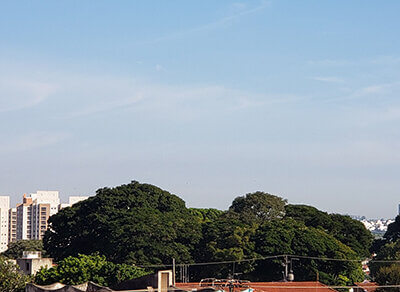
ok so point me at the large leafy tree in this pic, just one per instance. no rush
(255, 232)
(206, 215)
(388, 275)
(345, 229)
(383, 270)
(229, 236)
(11, 279)
(16, 248)
(294, 238)
(225, 239)
(133, 223)
(393, 231)
(258, 207)
(84, 268)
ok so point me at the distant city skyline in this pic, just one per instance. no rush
(209, 100)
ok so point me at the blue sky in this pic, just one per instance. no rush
(207, 99)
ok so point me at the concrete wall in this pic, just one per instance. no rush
(31, 266)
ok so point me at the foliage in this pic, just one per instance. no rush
(84, 268)
(140, 223)
(345, 229)
(390, 251)
(393, 231)
(206, 215)
(258, 207)
(291, 237)
(11, 279)
(389, 275)
(225, 239)
(133, 223)
(230, 239)
(16, 248)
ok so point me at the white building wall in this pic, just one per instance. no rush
(4, 207)
(76, 199)
(22, 222)
(47, 197)
(12, 225)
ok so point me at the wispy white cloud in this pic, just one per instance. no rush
(239, 10)
(331, 62)
(328, 79)
(31, 141)
(386, 60)
(160, 68)
(18, 94)
(377, 92)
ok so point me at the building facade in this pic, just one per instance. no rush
(29, 220)
(12, 225)
(4, 207)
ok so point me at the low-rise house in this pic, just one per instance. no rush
(32, 261)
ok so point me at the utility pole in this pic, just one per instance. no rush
(286, 263)
(173, 272)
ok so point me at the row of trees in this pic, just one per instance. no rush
(144, 225)
(105, 238)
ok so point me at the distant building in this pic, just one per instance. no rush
(75, 199)
(29, 219)
(32, 261)
(4, 206)
(12, 225)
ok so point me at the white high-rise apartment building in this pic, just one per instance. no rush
(29, 219)
(33, 213)
(4, 207)
(12, 225)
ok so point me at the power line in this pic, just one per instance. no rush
(269, 257)
(212, 263)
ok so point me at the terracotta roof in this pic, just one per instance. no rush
(273, 286)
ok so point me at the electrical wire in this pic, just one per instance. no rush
(269, 257)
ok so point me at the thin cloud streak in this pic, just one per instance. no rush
(31, 141)
(328, 79)
(20, 94)
(209, 26)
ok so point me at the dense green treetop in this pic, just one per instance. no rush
(258, 207)
(345, 229)
(11, 278)
(206, 215)
(393, 231)
(133, 223)
(390, 251)
(84, 268)
(142, 224)
(16, 248)
(294, 238)
(387, 273)
(227, 238)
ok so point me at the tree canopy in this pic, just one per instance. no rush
(387, 273)
(16, 248)
(133, 223)
(84, 268)
(291, 237)
(258, 207)
(206, 215)
(348, 231)
(393, 231)
(11, 279)
(142, 224)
